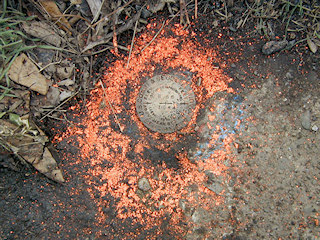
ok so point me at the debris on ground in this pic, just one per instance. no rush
(26, 73)
(274, 46)
(247, 166)
(28, 144)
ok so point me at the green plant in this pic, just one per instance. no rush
(12, 43)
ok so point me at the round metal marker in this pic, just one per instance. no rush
(165, 103)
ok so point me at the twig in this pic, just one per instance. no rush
(97, 14)
(154, 37)
(72, 15)
(60, 105)
(221, 14)
(134, 34)
(114, 41)
(196, 9)
(54, 63)
(109, 36)
(100, 51)
(112, 109)
(110, 14)
(226, 10)
(183, 11)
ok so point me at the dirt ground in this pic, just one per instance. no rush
(248, 169)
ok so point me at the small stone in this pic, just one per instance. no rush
(306, 120)
(200, 216)
(216, 187)
(292, 36)
(289, 75)
(315, 128)
(143, 184)
(274, 46)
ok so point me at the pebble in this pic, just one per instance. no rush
(200, 215)
(289, 75)
(315, 128)
(306, 120)
(216, 187)
(274, 46)
(143, 184)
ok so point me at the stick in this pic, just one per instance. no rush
(59, 105)
(134, 34)
(109, 36)
(114, 39)
(196, 9)
(112, 109)
(183, 11)
(110, 14)
(155, 36)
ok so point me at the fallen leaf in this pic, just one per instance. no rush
(52, 97)
(19, 103)
(30, 149)
(48, 166)
(67, 82)
(26, 73)
(313, 47)
(95, 7)
(53, 10)
(43, 31)
(75, 2)
(64, 72)
(64, 95)
(15, 119)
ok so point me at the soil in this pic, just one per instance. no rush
(252, 154)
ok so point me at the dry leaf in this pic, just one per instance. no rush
(65, 72)
(95, 6)
(316, 41)
(64, 95)
(313, 47)
(67, 82)
(31, 149)
(48, 166)
(19, 104)
(53, 10)
(26, 73)
(43, 31)
(75, 2)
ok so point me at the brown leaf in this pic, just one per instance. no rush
(313, 47)
(95, 6)
(48, 166)
(43, 31)
(31, 149)
(26, 73)
(53, 10)
(19, 104)
(65, 72)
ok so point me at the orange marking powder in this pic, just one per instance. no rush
(99, 143)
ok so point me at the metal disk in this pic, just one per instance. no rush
(165, 103)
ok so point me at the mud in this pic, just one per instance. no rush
(252, 170)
